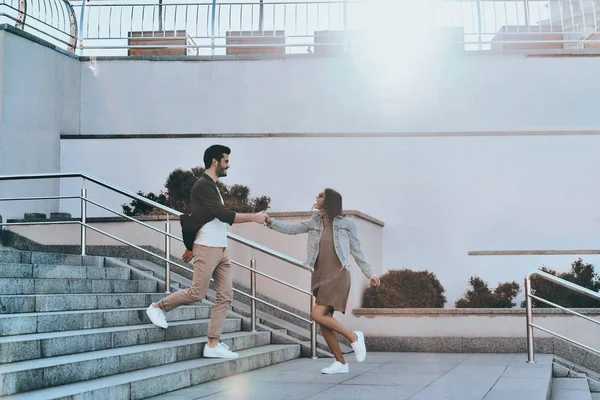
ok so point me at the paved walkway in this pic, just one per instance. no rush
(394, 376)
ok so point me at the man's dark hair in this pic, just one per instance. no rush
(215, 152)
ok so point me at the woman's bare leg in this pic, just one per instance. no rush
(321, 315)
(332, 341)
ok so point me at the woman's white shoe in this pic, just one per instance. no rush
(360, 350)
(336, 368)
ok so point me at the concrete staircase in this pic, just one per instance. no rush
(573, 382)
(75, 327)
(279, 323)
(570, 389)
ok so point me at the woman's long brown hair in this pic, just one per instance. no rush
(332, 205)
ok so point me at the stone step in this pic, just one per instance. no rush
(570, 389)
(30, 303)
(563, 368)
(35, 257)
(139, 274)
(11, 256)
(52, 344)
(161, 379)
(43, 373)
(20, 286)
(155, 269)
(48, 271)
(42, 322)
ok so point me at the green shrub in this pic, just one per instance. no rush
(480, 295)
(179, 186)
(581, 274)
(137, 207)
(406, 289)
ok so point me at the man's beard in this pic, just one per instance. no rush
(221, 172)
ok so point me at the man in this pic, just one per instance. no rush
(209, 252)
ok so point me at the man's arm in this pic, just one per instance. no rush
(206, 195)
(243, 218)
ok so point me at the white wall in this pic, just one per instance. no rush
(40, 101)
(439, 197)
(382, 93)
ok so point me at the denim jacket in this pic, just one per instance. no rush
(345, 238)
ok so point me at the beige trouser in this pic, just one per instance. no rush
(208, 261)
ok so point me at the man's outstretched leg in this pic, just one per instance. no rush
(224, 288)
(205, 261)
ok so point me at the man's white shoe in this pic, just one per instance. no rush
(221, 351)
(360, 349)
(336, 368)
(157, 316)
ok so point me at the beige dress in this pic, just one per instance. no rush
(330, 281)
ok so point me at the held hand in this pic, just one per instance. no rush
(375, 281)
(268, 220)
(187, 256)
(261, 217)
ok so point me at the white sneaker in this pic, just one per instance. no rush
(157, 316)
(336, 368)
(360, 349)
(221, 351)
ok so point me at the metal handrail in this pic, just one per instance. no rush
(168, 236)
(98, 181)
(154, 204)
(271, 277)
(267, 251)
(529, 311)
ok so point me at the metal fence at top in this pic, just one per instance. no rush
(214, 27)
(51, 20)
(521, 24)
(211, 27)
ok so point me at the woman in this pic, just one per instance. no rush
(331, 236)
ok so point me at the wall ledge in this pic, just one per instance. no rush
(291, 214)
(437, 312)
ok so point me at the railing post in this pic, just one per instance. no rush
(529, 318)
(167, 256)
(212, 27)
(160, 16)
(22, 14)
(261, 17)
(345, 11)
(83, 219)
(313, 331)
(253, 292)
(72, 26)
(81, 24)
(479, 24)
